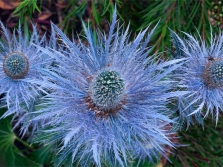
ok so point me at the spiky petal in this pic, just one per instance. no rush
(126, 118)
(201, 76)
(20, 63)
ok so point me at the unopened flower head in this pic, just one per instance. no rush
(201, 76)
(20, 64)
(108, 104)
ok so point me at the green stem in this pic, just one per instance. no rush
(24, 143)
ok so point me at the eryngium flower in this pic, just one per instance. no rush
(20, 63)
(201, 76)
(108, 106)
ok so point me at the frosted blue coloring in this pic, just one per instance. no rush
(20, 63)
(107, 104)
(201, 75)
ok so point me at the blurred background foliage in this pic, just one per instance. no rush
(199, 147)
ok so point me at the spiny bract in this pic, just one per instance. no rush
(201, 76)
(108, 103)
(20, 63)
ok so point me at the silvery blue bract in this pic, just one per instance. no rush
(20, 79)
(201, 75)
(20, 62)
(108, 100)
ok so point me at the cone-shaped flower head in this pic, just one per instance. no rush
(20, 63)
(201, 76)
(16, 65)
(108, 103)
(106, 91)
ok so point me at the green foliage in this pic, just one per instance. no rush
(20, 154)
(24, 11)
(179, 15)
(10, 155)
(100, 8)
(145, 164)
(71, 12)
(42, 155)
(200, 147)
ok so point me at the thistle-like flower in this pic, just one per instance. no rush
(201, 76)
(108, 104)
(20, 63)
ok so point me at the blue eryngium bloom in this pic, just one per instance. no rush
(20, 63)
(108, 103)
(201, 76)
